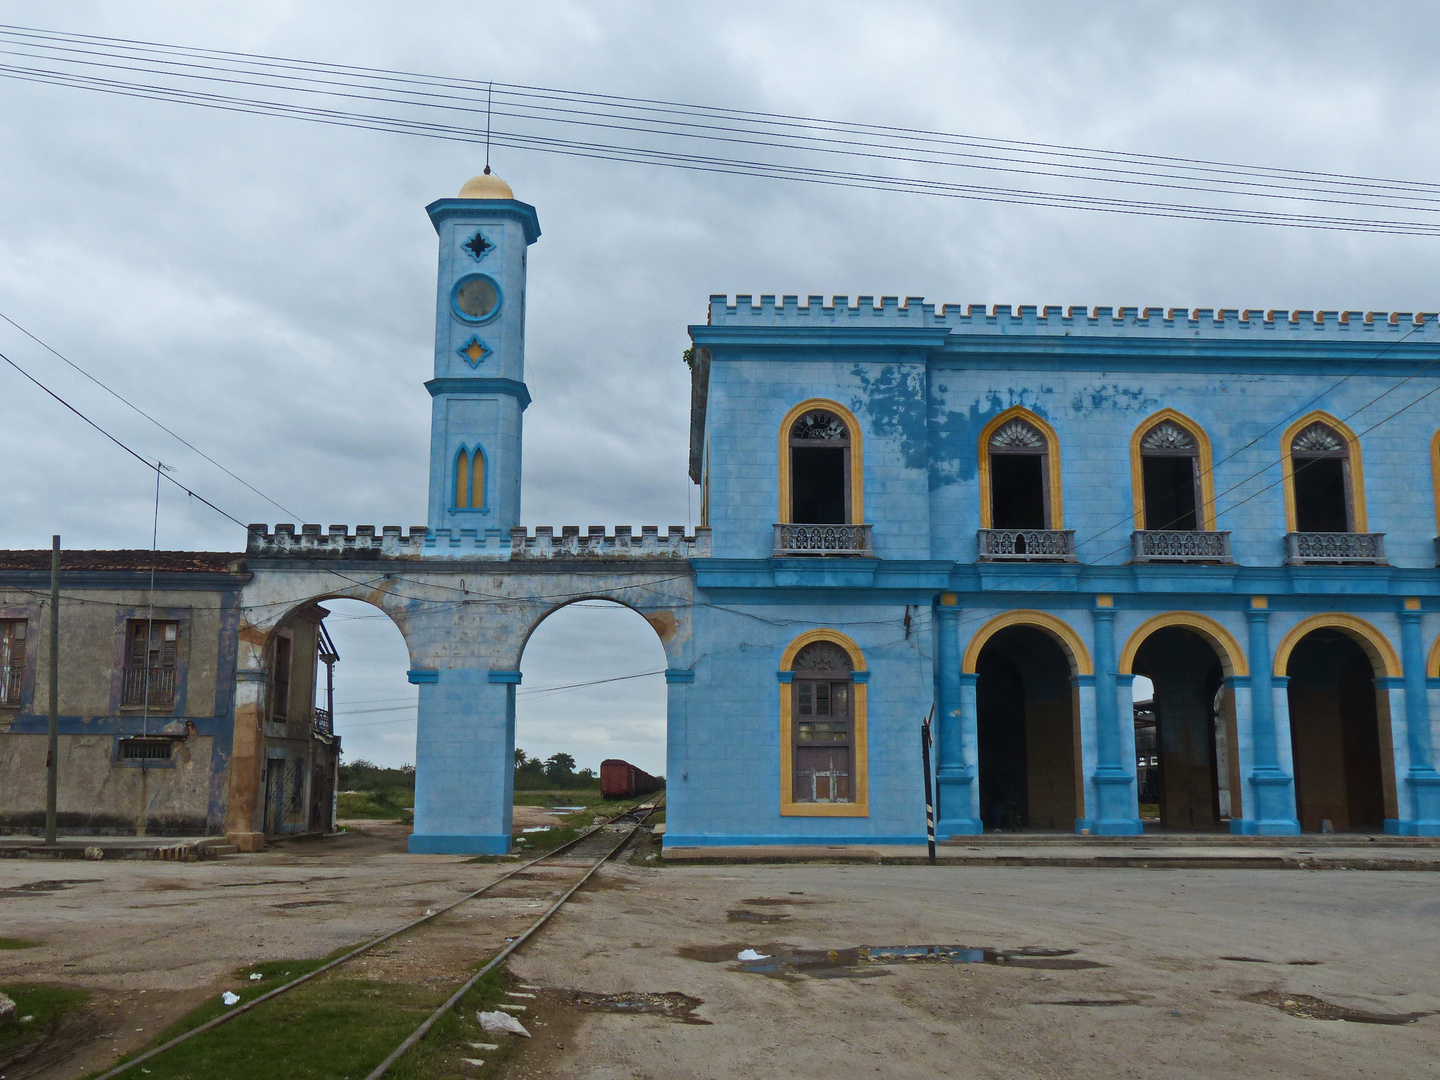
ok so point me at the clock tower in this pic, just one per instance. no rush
(478, 392)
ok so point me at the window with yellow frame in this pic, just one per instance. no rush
(823, 749)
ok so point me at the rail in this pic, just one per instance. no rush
(824, 540)
(636, 820)
(1026, 545)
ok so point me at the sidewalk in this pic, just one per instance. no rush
(1200, 851)
(171, 848)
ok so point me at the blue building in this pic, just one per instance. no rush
(1004, 515)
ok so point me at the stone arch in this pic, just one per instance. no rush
(1232, 657)
(1064, 634)
(1375, 645)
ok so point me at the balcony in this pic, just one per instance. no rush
(161, 688)
(823, 540)
(1027, 545)
(1326, 547)
(1179, 545)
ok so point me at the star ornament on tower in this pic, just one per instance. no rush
(474, 351)
(478, 246)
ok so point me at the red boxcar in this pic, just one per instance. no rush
(619, 780)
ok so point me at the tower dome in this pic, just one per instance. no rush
(486, 186)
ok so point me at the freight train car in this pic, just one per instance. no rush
(619, 780)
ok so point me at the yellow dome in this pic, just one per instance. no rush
(486, 186)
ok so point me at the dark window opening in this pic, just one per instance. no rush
(1320, 501)
(146, 749)
(280, 701)
(819, 470)
(817, 479)
(1017, 491)
(1170, 501)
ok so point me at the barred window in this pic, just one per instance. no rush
(12, 660)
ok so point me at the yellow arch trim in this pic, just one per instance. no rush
(859, 741)
(1357, 469)
(1061, 631)
(857, 477)
(1052, 455)
(1432, 665)
(1232, 658)
(1376, 645)
(1207, 477)
(1435, 478)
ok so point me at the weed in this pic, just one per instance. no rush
(47, 1005)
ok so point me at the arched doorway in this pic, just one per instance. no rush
(1335, 725)
(1026, 731)
(1193, 744)
(339, 716)
(593, 690)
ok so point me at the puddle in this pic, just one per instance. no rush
(764, 901)
(673, 1005)
(1258, 960)
(1306, 1007)
(48, 886)
(305, 903)
(741, 915)
(787, 962)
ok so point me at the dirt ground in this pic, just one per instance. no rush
(1173, 973)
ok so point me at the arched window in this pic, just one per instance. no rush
(819, 469)
(823, 728)
(470, 479)
(1320, 480)
(1170, 477)
(823, 746)
(1019, 456)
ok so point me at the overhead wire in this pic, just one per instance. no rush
(770, 131)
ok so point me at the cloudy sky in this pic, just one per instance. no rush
(265, 286)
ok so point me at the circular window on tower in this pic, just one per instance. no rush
(476, 298)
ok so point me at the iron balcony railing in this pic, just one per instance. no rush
(823, 540)
(1329, 547)
(1027, 545)
(323, 723)
(1179, 545)
(10, 688)
(161, 684)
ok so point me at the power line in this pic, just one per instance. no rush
(699, 123)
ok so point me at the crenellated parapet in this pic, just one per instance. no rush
(544, 542)
(623, 543)
(313, 541)
(787, 311)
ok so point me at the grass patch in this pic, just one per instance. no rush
(46, 1004)
(375, 806)
(334, 1028)
(17, 943)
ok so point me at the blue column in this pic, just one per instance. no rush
(464, 761)
(1118, 812)
(1270, 809)
(957, 791)
(1420, 789)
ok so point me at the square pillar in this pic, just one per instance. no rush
(464, 762)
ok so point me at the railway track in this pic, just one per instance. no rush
(547, 881)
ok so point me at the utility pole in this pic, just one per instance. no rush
(52, 757)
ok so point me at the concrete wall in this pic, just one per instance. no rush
(100, 792)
